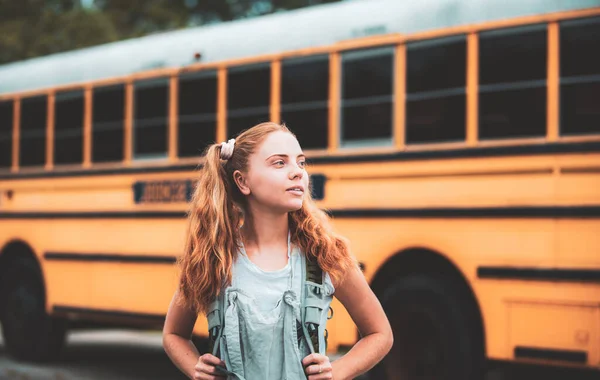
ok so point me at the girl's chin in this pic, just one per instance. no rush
(295, 206)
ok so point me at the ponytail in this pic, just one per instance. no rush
(212, 236)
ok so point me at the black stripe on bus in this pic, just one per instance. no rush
(551, 354)
(539, 274)
(110, 258)
(101, 172)
(95, 215)
(473, 212)
(492, 151)
(60, 309)
(590, 170)
(591, 211)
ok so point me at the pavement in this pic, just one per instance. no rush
(136, 355)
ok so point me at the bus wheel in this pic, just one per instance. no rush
(29, 332)
(435, 332)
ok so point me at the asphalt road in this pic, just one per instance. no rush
(135, 355)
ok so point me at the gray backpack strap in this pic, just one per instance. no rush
(312, 303)
(216, 323)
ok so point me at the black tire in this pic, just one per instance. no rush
(29, 332)
(436, 332)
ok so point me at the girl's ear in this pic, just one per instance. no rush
(241, 182)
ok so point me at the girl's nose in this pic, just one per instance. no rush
(296, 172)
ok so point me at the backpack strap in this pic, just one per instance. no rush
(312, 300)
(314, 272)
(216, 322)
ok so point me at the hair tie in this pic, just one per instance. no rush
(227, 149)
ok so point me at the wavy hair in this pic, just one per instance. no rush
(216, 211)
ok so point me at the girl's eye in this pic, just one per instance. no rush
(302, 164)
(279, 162)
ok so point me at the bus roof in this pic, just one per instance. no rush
(308, 27)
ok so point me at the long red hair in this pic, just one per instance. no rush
(216, 212)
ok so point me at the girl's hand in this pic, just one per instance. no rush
(317, 367)
(205, 368)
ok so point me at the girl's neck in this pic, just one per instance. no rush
(265, 232)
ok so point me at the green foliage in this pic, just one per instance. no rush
(30, 28)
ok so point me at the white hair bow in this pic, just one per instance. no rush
(227, 149)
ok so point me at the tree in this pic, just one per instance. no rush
(71, 30)
(134, 18)
(30, 28)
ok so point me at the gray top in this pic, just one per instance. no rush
(267, 287)
(262, 337)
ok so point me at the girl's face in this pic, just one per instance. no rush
(276, 177)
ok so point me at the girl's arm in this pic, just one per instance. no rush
(177, 333)
(368, 315)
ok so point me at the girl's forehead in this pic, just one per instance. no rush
(279, 142)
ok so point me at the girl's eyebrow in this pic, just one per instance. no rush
(301, 155)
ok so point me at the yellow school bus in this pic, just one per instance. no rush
(455, 143)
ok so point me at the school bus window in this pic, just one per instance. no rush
(68, 127)
(367, 97)
(248, 97)
(108, 116)
(32, 139)
(197, 112)
(512, 82)
(435, 90)
(6, 135)
(580, 76)
(151, 105)
(305, 99)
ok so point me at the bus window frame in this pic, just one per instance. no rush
(246, 111)
(566, 80)
(106, 87)
(144, 84)
(9, 134)
(192, 75)
(357, 54)
(69, 94)
(432, 94)
(514, 85)
(45, 165)
(310, 105)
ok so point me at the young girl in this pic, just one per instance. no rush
(252, 226)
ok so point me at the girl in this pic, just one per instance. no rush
(252, 225)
